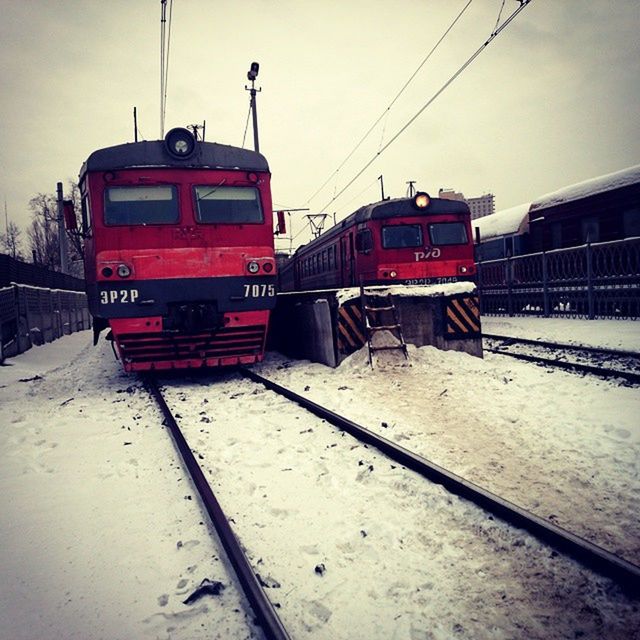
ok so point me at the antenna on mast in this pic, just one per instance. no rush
(252, 75)
(165, 41)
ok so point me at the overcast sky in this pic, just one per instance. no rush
(551, 101)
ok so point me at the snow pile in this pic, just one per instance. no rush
(408, 291)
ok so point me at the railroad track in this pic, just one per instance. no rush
(263, 609)
(626, 574)
(626, 364)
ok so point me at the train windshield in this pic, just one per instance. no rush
(140, 205)
(444, 233)
(401, 236)
(228, 205)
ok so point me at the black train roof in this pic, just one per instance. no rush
(154, 154)
(387, 210)
(401, 207)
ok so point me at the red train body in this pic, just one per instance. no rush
(410, 241)
(178, 251)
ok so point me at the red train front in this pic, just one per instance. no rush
(179, 258)
(419, 240)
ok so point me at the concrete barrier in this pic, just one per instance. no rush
(34, 315)
(326, 326)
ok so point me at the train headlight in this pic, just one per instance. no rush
(180, 142)
(107, 272)
(124, 271)
(393, 274)
(421, 200)
(463, 269)
(268, 267)
(253, 267)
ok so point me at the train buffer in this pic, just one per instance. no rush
(382, 325)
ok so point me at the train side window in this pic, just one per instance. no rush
(556, 235)
(86, 216)
(228, 205)
(401, 236)
(590, 229)
(140, 205)
(631, 223)
(364, 241)
(508, 247)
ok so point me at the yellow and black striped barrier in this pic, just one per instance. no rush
(462, 318)
(350, 327)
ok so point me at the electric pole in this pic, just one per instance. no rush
(62, 236)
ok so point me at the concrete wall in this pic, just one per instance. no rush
(307, 325)
(33, 315)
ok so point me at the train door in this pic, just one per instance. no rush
(347, 261)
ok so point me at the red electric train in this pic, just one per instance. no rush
(410, 241)
(178, 251)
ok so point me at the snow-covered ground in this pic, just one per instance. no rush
(103, 537)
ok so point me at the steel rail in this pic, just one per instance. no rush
(572, 366)
(261, 605)
(569, 347)
(626, 574)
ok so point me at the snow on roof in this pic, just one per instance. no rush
(588, 188)
(507, 221)
(515, 219)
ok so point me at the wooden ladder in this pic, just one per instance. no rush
(381, 317)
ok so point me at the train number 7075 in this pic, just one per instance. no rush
(259, 290)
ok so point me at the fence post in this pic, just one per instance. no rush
(509, 288)
(545, 286)
(590, 301)
(479, 287)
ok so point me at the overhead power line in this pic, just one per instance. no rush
(494, 34)
(165, 43)
(395, 99)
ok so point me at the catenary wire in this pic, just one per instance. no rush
(494, 34)
(395, 99)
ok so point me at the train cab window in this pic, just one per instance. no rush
(400, 236)
(228, 205)
(364, 241)
(140, 205)
(447, 233)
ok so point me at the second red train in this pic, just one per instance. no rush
(409, 241)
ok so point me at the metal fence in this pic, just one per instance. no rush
(590, 281)
(33, 315)
(12, 270)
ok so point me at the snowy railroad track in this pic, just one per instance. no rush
(606, 363)
(624, 573)
(261, 605)
(592, 556)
